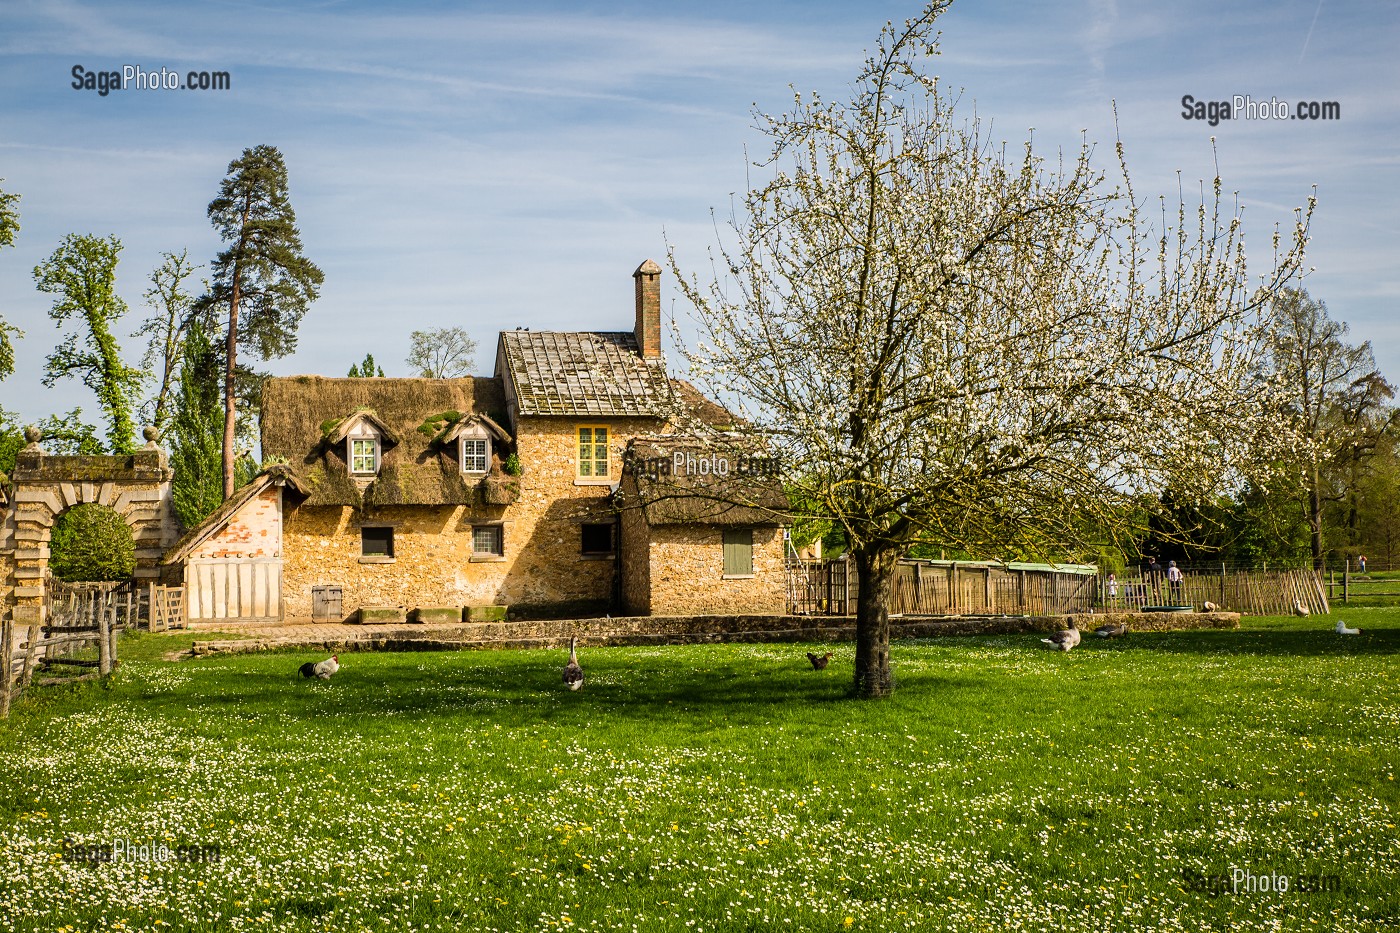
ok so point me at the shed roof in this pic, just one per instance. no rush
(276, 475)
(684, 497)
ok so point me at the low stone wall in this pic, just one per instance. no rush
(679, 630)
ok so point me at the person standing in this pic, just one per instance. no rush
(1174, 582)
(1363, 563)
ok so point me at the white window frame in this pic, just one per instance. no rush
(485, 441)
(373, 454)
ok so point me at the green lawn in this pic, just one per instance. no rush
(723, 788)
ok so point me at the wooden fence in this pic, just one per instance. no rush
(48, 650)
(1248, 592)
(166, 607)
(943, 588)
(939, 588)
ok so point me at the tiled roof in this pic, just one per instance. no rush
(585, 373)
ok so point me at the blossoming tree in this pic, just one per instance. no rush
(947, 339)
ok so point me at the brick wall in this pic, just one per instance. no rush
(255, 530)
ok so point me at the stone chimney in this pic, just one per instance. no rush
(648, 330)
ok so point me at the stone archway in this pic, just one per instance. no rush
(136, 486)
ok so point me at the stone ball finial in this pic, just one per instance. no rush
(33, 435)
(151, 433)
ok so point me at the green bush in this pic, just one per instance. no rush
(91, 542)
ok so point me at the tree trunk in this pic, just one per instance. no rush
(1315, 516)
(230, 387)
(875, 571)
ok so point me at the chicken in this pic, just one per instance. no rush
(1343, 630)
(1111, 631)
(573, 674)
(1210, 607)
(1064, 640)
(322, 669)
(819, 662)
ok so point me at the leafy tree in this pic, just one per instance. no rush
(1330, 387)
(197, 431)
(9, 226)
(261, 282)
(91, 542)
(947, 340)
(82, 273)
(441, 353)
(366, 368)
(165, 329)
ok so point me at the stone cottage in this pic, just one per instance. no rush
(486, 491)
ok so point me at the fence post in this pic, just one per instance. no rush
(31, 649)
(1346, 582)
(7, 644)
(104, 645)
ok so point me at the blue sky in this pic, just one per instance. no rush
(490, 165)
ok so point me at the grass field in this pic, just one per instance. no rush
(724, 788)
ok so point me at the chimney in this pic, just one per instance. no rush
(648, 330)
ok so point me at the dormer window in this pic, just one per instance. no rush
(476, 454)
(477, 438)
(364, 436)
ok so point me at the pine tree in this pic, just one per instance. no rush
(261, 281)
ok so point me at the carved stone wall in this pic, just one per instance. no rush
(136, 486)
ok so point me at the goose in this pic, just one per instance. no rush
(1343, 630)
(1063, 640)
(1299, 609)
(819, 662)
(573, 674)
(1111, 631)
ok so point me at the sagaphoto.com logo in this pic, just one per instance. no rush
(1244, 107)
(134, 77)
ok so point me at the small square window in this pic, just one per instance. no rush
(597, 539)
(376, 542)
(364, 455)
(488, 541)
(476, 454)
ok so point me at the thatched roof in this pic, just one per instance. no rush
(275, 475)
(299, 413)
(668, 496)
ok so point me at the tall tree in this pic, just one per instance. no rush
(441, 353)
(261, 282)
(197, 430)
(1323, 378)
(165, 329)
(82, 272)
(9, 226)
(948, 340)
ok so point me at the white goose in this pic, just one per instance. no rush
(1343, 630)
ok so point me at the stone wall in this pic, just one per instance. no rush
(687, 573)
(636, 559)
(255, 530)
